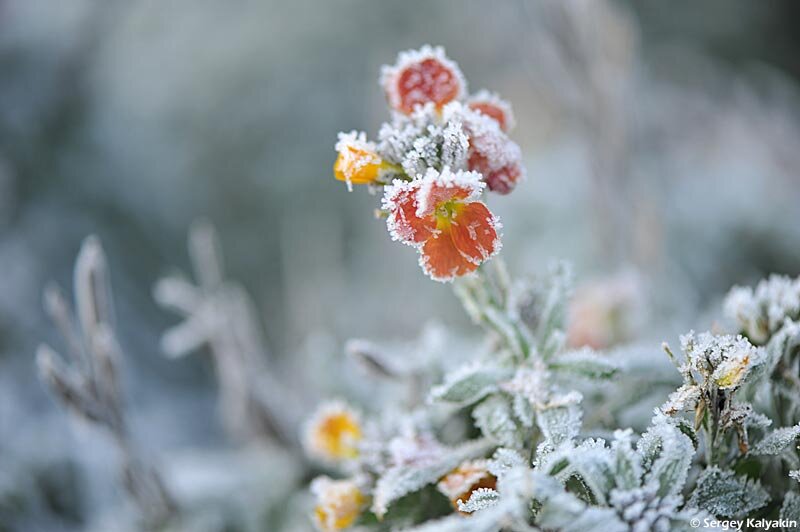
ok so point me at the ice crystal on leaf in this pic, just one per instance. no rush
(724, 494)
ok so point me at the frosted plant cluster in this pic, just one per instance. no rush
(510, 433)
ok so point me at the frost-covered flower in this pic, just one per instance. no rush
(724, 359)
(333, 433)
(491, 153)
(358, 162)
(491, 105)
(441, 216)
(761, 312)
(422, 76)
(339, 503)
(472, 475)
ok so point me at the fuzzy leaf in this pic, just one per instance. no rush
(480, 499)
(494, 417)
(559, 424)
(666, 454)
(790, 509)
(777, 441)
(724, 494)
(469, 384)
(585, 363)
(403, 479)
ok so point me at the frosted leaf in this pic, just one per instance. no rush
(777, 441)
(724, 494)
(541, 305)
(790, 510)
(494, 417)
(455, 145)
(530, 383)
(592, 463)
(504, 460)
(666, 455)
(569, 514)
(559, 424)
(469, 384)
(760, 312)
(684, 398)
(523, 410)
(480, 499)
(795, 475)
(485, 521)
(585, 363)
(627, 462)
(402, 479)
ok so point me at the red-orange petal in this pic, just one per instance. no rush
(403, 222)
(492, 111)
(441, 259)
(422, 76)
(503, 180)
(474, 232)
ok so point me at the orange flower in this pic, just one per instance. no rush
(358, 161)
(339, 503)
(440, 215)
(333, 433)
(494, 107)
(422, 76)
(465, 479)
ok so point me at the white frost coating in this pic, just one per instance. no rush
(433, 181)
(389, 74)
(480, 499)
(391, 195)
(367, 154)
(492, 98)
(725, 359)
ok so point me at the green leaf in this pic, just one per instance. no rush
(777, 441)
(494, 416)
(723, 494)
(400, 480)
(585, 363)
(469, 384)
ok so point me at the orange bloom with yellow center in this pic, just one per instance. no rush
(358, 162)
(459, 484)
(339, 503)
(441, 216)
(422, 76)
(333, 433)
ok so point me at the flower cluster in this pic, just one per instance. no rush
(434, 159)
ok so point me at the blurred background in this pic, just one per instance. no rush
(661, 142)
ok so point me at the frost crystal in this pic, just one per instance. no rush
(723, 494)
(725, 359)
